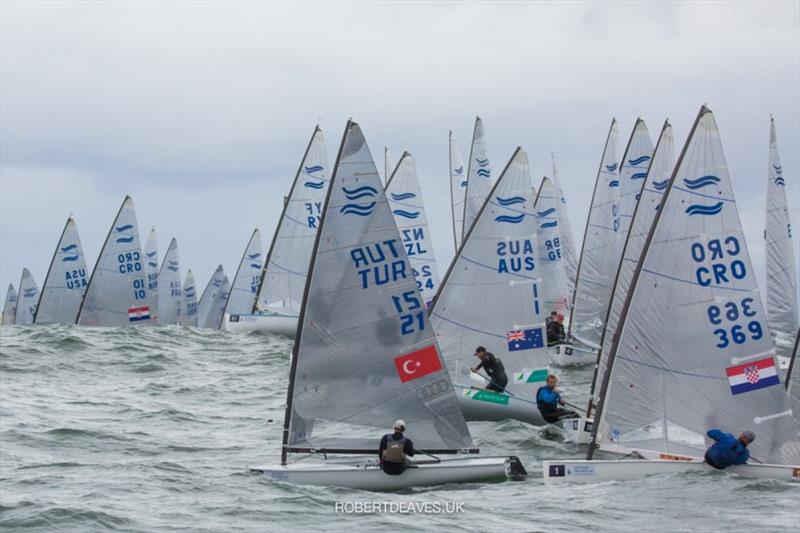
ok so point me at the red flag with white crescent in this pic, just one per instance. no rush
(417, 364)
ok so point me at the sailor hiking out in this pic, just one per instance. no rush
(549, 402)
(728, 450)
(395, 449)
(494, 368)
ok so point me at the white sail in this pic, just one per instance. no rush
(568, 248)
(355, 372)
(66, 280)
(151, 269)
(117, 294)
(555, 283)
(189, 308)
(694, 349)
(284, 274)
(656, 179)
(633, 171)
(781, 272)
(491, 295)
(458, 190)
(247, 279)
(598, 263)
(405, 200)
(27, 299)
(10, 306)
(388, 164)
(210, 300)
(170, 294)
(479, 176)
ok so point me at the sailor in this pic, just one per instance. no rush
(494, 367)
(549, 319)
(555, 331)
(548, 400)
(395, 449)
(727, 450)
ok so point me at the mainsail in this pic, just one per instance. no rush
(189, 307)
(656, 179)
(555, 284)
(694, 349)
(170, 293)
(209, 301)
(598, 263)
(151, 268)
(568, 253)
(458, 190)
(781, 273)
(284, 276)
(492, 293)
(405, 201)
(365, 354)
(247, 279)
(27, 299)
(10, 306)
(479, 177)
(66, 280)
(117, 294)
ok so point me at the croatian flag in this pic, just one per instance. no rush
(526, 339)
(753, 375)
(138, 313)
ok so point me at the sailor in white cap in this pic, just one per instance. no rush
(395, 449)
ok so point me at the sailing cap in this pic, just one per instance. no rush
(749, 435)
(400, 425)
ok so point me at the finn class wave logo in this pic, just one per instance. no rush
(254, 256)
(257, 266)
(29, 293)
(406, 214)
(639, 160)
(778, 168)
(311, 170)
(706, 210)
(314, 184)
(120, 229)
(547, 212)
(70, 248)
(701, 182)
(173, 266)
(660, 185)
(362, 210)
(552, 224)
(613, 183)
(510, 219)
(153, 264)
(463, 183)
(779, 181)
(484, 173)
(639, 176)
(483, 163)
(611, 168)
(402, 196)
(505, 202)
(459, 170)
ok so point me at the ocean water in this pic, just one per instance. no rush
(153, 429)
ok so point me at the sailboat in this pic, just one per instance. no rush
(27, 299)
(491, 296)
(568, 254)
(596, 266)
(189, 306)
(117, 294)
(66, 280)
(781, 273)
(693, 350)
(244, 290)
(206, 307)
(151, 270)
(283, 278)
(458, 190)
(10, 306)
(405, 200)
(170, 294)
(479, 177)
(383, 347)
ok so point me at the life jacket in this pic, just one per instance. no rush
(543, 406)
(395, 450)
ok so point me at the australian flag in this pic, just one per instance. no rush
(526, 339)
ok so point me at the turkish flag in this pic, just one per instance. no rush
(417, 364)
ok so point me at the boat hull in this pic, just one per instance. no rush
(367, 475)
(577, 471)
(481, 405)
(276, 323)
(572, 355)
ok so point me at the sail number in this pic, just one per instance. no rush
(553, 249)
(515, 255)
(314, 212)
(138, 289)
(129, 262)
(411, 320)
(724, 265)
(733, 319)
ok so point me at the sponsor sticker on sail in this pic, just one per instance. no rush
(417, 364)
(138, 313)
(752, 376)
(531, 376)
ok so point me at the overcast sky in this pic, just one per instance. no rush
(202, 111)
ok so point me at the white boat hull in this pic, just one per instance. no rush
(577, 471)
(365, 474)
(572, 355)
(578, 430)
(481, 405)
(276, 323)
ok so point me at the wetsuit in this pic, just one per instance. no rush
(547, 401)
(726, 451)
(392, 452)
(555, 333)
(496, 371)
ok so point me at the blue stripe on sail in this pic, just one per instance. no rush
(125, 239)
(69, 248)
(639, 160)
(547, 212)
(779, 181)
(459, 170)
(613, 183)
(151, 254)
(359, 192)
(311, 170)
(639, 176)
(406, 214)
(483, 172)
(510, 201)
(701, 182)
(482, 162)
(314, 185)
(660, 185)
(357, 209)
(611, 168)
(153, 264)
(707, 210)
(510, 219)
(254, 256)
(463, 183)
(172, 268)
(257, 266)
(69, 258)
(126, 227)
(552, 224)
(402, 196)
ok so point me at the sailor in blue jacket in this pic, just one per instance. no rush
(548, 400)
(728, 450)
